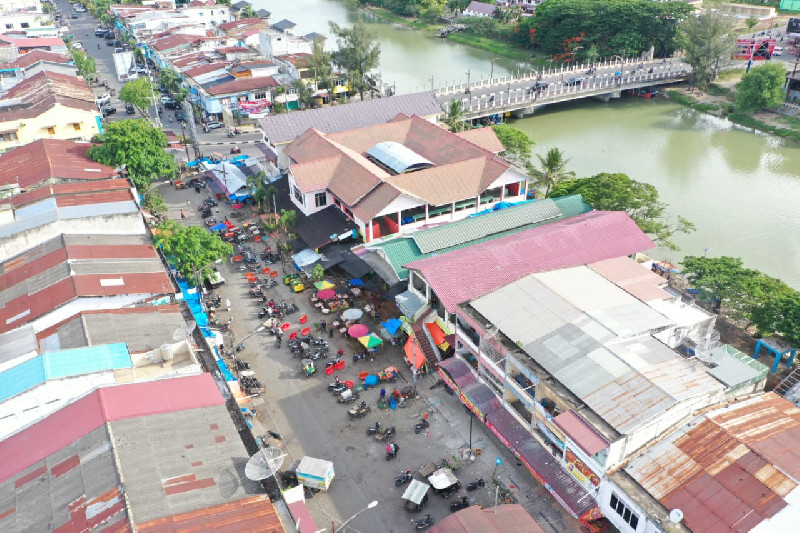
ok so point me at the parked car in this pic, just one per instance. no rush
(100, 32)
(539, 86)
(73, 15)
(165, 99)
(103, 99)
(110, 36)
(108, 109)
(179, 116)
(129, 109)
(171, 104)
(111, 42)
(139, 69)
(77, 45)
(118, 50)
(208, 126)
(575, 81)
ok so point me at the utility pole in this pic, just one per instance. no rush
(431, 82)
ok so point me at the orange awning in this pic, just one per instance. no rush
(414, 354)
(436, 333)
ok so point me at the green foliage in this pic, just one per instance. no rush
(320, 66)
(358, 53)
(708, 42)
(190, 248)
(746, 120)
(761, 88)
(170, 80)
(138, 145)
(247, 12)
(261, 192)
(618, 192)
(454, 118)
(154, 202)
(305, 96)
(85, 63)
(138, 93)
(688, 101)
(288, 219)
(751, 22)
(613, 27)
(746, 294)
(318, 273)
(517, 144)
(551, 170)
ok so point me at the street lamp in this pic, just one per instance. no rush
(549, 65)
(491, 72)
(371, 505)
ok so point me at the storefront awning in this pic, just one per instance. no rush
(480, 399)
(456, 373)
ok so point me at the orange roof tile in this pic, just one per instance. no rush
(483, 137)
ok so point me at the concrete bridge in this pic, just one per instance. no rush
(515, 94)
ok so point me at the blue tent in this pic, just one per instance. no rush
(392, 325)
(219, 227)
(356, 282)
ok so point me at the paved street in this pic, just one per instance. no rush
(312, 423)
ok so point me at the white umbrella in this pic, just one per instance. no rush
(352, 314)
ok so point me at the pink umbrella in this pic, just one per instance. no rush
(326, 294)
(358, 330)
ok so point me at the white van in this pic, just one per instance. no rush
(777, 51)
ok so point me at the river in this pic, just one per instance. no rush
(740, 189)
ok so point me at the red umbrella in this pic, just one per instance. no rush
(358, 330)
(326, 294)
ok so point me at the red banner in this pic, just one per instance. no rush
(758, 49)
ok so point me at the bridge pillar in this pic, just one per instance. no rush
(607, 96)
(520, 113)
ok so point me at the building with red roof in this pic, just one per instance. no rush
(153, 456)
(32, 63)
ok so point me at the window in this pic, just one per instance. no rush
(320, 199)
(76, 126)
(298, 195)
(9, 26)
(51, 130)
(25, 25)
(630, 518)
(8, 136)
(259, 96)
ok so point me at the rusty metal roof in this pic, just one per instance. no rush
(727, 470)
(255, 513)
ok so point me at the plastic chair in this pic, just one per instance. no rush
(265, 270)
(273, 274)
(285, 326)
(293, 335)
(305, 331)
(329, 370)
(304, 319)
(339, 365)
(349, 384)
(257, 238)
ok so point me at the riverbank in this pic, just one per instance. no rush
(718, 100)
(470, 39)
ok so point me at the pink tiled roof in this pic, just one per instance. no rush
(483, 137)
(482, 268)
(633, 278)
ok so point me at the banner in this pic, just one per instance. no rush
(580, 471)
(763, 49)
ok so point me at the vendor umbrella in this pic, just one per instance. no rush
(326, 294)
(392, 325)
(353, 314)
(356, 282)
(324, 284)
(358, 330)
(370, 341)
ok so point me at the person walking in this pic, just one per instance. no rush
(228, 304)
(183, 215)
(188, 204)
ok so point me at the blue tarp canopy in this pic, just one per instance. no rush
(371, 380)
(218, 227)
(356, 282)
(392, 325)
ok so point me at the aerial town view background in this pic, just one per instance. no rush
(397, 265)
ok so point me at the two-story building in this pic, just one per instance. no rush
(48, 105)
(407, 172)
(245, 31)
(32, 63)
(279, 43)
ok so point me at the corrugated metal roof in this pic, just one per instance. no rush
(715, 475)
(61, 364)
(255, 513)
(735, 368)
(284, 128)
(474, 228)
(16, 343)
(397, 157)
(46, 159)
(502, 519)
(580, 432)
(578, 339)
(579, 240)
(633, 277)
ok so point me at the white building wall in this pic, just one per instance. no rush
(274, 43)
(645, 523)
(22, 20)
(80, 305)
(7, 6)
(208, 16)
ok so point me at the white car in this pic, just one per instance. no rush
(77, 46)
(777, 51)
(165, 99)
(103, 99)
(139, 70)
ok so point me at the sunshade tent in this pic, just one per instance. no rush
(358, 330)
(352, 314)
(326, 294)
(414, 354)
(370, 341)
(324, 284)
(392, 325)
(218, 227)
(356, 282)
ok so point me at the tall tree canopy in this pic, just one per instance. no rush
(190, 248)
(761, 88)
(612, 27)
(139, 146)
(618, 192)
(551, 170)
(359, 52)
(137, 93)
(517, 145)
(708, 42)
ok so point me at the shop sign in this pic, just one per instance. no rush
(580, 471)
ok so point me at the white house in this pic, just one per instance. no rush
(479, 9)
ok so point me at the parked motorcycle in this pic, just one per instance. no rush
(477, 484)
(422, 424)
(385, 434)
(348, 396)
(374, 429)
(242, 365)
(359, 412)
(336, 385)
(425, 523)
(463, 503)
(359, 357)
(403, 478)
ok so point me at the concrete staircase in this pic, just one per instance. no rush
(424, 340)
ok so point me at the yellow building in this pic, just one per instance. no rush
(48, 105)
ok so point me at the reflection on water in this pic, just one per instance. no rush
(740, 189)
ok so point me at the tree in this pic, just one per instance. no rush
(551, 170)
(139, 146)
(761, 88)
(170, 80)
(85, 63)
(190, 248)
(618, 192)
(455, 117)
(779, 312)
(517, 145)
(154, 202)
(247, 12)
(708, 42)
(305, 96)
(138, 93)
(751, 22)
(261, 192)
(320, 64)
(359, 52)
(288, 219)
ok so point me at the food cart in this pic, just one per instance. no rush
(416, 495)
(444, 482)
(315, 473)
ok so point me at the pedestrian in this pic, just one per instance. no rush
(188, 204)
(339, 353)
(183, 215)
(383, 394)
(228, 304)
(322, 326)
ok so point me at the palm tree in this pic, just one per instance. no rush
(551, 169)
(455, 117)
(261, 192)
(288, 219)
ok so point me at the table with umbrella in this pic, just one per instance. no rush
(324, 285)
(357, 331)
(371, 342)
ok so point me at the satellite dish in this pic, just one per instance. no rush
(675, 516)
(184, 331)
(264, 463)
(706, 341)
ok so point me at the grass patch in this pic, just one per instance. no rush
(492, 45)
(743, 119)
(688, 101)
(731, 74)
(792, 122)
(718, 90)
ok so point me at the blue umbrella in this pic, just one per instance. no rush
(356, 282)
(392, 325)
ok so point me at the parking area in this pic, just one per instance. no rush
(311, 421)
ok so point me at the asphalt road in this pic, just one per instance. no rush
(312, 423)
